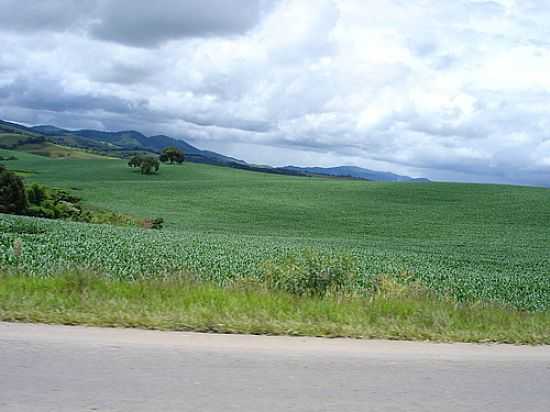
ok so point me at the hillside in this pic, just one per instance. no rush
(479, 241)
(124, 142)
(23, 139)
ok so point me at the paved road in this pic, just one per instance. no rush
(52, 368)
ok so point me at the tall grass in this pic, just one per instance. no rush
(392, 310)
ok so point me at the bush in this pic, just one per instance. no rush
(52, 203)
(153, 223)
(135, 161)
(148, 165)
(157, 223)
(45, 210)
(311, 274)
(104, 217)
(37, 194)
(13, 198)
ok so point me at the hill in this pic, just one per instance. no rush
(477, 241)
(124, 142)
(23, 139)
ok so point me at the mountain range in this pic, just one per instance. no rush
(41, 139)
(357, 173)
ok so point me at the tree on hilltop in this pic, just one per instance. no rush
(172, 154)
(147, 164)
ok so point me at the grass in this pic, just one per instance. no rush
(472, 242)
(391, 312)
(52, 246)
(203, 198)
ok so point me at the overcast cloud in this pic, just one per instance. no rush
(456, 90)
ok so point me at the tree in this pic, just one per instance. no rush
(135, 161)
(13, 198)
(148, 165)
(172, 154)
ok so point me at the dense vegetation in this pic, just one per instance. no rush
(172, 154)
(390, 311)
(146, 164)
(52, 203)
(12, 192)
(474, 242)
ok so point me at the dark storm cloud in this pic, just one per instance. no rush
(124, 73)
(148, 24)
(50, 15)
(31, 94)
(134, 23)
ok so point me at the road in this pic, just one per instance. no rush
(62, 368)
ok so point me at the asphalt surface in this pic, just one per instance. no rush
(56, 368)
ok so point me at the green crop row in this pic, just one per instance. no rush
(40, 248)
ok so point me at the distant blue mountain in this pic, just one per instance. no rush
(355, 172)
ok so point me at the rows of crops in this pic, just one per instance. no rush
(47, 247)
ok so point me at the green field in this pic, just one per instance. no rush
(474, 242)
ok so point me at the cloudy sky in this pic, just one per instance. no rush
(450, 90)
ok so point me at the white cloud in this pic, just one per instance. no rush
(441, 89)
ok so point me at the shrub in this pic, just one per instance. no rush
(37, 194)
(153, 223)
(157, 223)
(311, 274)
(13, 198)
(59, 196)
(135, 161)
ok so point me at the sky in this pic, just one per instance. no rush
(449, 90)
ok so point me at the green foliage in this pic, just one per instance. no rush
(13, 140)
(172, 154)
(98, 216)
(13, 198)
(36, 194)
(182, 303)
(312, 274)
(135, 161)
(147, 164)
(128, 253)
(52, 203)
(153, 223)
(473, 242)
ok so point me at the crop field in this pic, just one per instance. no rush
(474, 242)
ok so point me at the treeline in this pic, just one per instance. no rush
(26, 140)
